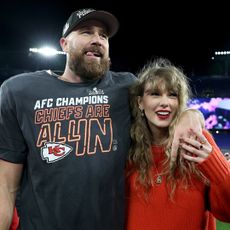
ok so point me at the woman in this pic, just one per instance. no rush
(163, 193)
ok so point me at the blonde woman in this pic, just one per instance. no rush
(164, 193)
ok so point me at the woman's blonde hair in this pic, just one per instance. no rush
(158, 74)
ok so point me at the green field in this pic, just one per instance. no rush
(222, 226)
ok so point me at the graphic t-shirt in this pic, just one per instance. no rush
(73, 139)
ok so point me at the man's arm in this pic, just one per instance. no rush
(189, 119)
(10, 176)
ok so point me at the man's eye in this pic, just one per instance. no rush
(86, 32)
(104, 36)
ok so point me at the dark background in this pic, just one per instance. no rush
(188, 34)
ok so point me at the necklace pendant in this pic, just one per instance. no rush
(158, 180)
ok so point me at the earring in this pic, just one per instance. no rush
(142, 113)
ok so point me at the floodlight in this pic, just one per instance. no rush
(46, 51)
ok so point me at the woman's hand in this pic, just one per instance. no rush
(189, 119)
(196, 150)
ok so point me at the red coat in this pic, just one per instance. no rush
(192, 209)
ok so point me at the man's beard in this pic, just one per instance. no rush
(88, 70)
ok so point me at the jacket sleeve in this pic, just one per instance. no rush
(217, 170)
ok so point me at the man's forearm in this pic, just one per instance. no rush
(6, 209)
(196, 113)
(10, 177)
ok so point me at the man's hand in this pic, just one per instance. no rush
(189, 119)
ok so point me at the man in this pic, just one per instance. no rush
(64, 139)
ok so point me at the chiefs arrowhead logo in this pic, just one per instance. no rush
(52, 152)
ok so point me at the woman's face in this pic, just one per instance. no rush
(160, 106)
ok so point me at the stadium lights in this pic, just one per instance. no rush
(222, 53)
(46, 51)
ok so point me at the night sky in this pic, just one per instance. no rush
(187, 34)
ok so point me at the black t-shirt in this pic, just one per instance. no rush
(73, 140)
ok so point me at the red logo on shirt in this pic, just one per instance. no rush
(56, 150)
(52, 152)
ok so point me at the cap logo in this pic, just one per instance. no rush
(83, 12)
(80, 16)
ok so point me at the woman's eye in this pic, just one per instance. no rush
(153, 93)
(173, 95)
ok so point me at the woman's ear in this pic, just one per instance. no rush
(139, 101)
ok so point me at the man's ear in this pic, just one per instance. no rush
(63, 44)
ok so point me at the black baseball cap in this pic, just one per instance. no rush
(79, 16)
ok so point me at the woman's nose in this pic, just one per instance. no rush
(164, 101)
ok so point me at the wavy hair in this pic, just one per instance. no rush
(159, 74)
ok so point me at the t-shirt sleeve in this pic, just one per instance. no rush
(12, 143)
